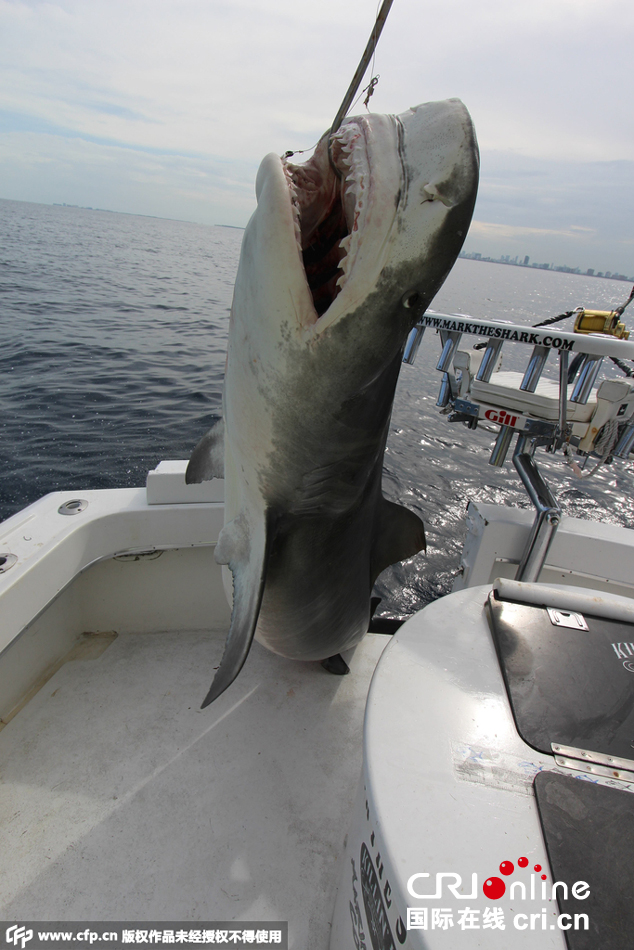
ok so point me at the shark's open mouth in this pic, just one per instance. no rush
(329, 210)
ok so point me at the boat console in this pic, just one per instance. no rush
(496, 807)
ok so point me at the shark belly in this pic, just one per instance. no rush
(317, 597)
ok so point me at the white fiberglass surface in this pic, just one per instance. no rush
(121, 800)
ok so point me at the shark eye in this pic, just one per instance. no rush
(410, 300)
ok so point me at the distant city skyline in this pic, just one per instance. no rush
(526, 262)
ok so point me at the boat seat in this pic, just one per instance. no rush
(504, 390)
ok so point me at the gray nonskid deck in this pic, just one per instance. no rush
(121, 800)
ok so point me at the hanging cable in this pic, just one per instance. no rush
(359, 74)
(363, 65)
(356, 82)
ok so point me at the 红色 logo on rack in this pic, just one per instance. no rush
(502, 416)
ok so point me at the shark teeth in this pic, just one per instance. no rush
(292, 190)
(344, 263)
(352, 162)
(313, 187)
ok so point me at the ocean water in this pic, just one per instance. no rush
(112, 344)
(112, 339)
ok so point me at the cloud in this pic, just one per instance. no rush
(489, 229)
(101, 175)
(576, 213)
(111, 108)
(16, 123)
(248, 74)
(170, 106)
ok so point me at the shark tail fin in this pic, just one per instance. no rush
(399, 534)
(207, 459)
(244, 546)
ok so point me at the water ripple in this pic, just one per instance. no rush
(112, 351)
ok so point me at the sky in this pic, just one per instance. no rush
(166, 107)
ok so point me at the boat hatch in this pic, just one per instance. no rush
(569, 674)
(573, 843)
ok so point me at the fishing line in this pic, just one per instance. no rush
(562, 316)
(574, 366)
(368, 53)
(344, 108)
(363, 65)
(375, 77)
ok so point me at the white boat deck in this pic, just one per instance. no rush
(121, 800)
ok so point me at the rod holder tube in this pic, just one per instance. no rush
(489, 360)
(546, 520)
(450, 341)
(534, 369)
(623, 447)
(501, 447)
(587, 376)
(563, 390)
(413, 342)
(444, 394)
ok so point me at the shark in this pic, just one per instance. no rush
(342, 256)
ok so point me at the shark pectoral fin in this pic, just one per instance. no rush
(399, 534)
(207, 459)
(244, 546)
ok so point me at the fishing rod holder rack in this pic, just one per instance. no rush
(569, 414)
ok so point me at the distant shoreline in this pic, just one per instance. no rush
(63, 204)
(132, 214)
(554, 268)
(468, 256)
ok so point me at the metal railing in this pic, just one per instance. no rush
(589, 349)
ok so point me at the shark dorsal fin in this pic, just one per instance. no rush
(207, 459)
(243, 546)
(399, 534)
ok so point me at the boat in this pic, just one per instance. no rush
(467, 785)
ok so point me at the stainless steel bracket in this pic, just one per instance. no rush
(594, 763)
(566, 618)
(547, 518)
